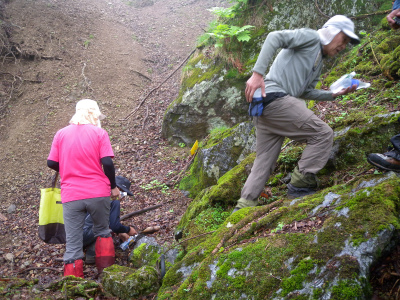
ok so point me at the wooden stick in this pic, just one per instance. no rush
(141, 211)
(141, 103)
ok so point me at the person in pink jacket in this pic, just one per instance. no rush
(82, 153)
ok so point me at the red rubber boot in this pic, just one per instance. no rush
(75, 268)
(105, 253)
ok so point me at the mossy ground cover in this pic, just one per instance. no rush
(239, 267)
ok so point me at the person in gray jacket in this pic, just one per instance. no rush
(292, 78)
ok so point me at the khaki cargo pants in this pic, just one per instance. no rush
(285, 117)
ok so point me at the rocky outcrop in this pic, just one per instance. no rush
(318, 247)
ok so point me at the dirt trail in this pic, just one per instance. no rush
(112, 51)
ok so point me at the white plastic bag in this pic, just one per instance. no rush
(346, 81)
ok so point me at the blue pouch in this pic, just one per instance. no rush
(256, 108)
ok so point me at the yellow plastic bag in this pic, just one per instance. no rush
(51, 221)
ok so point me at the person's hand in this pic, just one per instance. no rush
(345, 91)
(132, 231)
(123, 236)
(389, 17)
(255, 81)
(115, 193)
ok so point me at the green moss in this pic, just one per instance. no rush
(211, 218)
(346, 290)
(128, 283)
(298, 275)
(145, 255)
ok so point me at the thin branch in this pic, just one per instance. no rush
(191, 238)
(145, 98)
(385, 12)
(320, 11)
(138, 212)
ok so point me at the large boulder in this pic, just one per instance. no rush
(318, 247)
(128, 283)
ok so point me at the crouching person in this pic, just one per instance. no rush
(124, 232)
(82, 153)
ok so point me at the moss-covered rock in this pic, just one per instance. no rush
(353, 142)
(145, 254)
(248, 257)
(127, 283)
(225, 193)
(222, 150)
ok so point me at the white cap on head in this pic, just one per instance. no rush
(87, 112)
(335, 25)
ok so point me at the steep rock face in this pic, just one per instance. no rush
(212, 95)
(318, 247)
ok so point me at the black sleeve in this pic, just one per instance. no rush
(53, 165)
(109, 170)
(115, 221)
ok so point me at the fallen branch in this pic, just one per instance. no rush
(50, 57)
(245, 221)
(168, 77)
(193, 237)
(141, 211)
(385, 12)
(142, 75)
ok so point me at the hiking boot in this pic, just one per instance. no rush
(242, 203)
(384, 162)
(75, 268)
(105, 253)
(90, 260)
(295, 192)
(235, 210)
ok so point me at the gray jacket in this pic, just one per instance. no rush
(297, 67)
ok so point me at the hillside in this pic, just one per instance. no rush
(115, 52)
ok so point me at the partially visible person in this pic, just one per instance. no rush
(82, 153)
(123, 231)
(395, 13)
(389, 160)
(292, 78)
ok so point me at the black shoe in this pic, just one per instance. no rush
(295, 192)
(384, 162)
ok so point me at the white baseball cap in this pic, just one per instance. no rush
(343, 23)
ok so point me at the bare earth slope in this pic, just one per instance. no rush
(111, 51)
